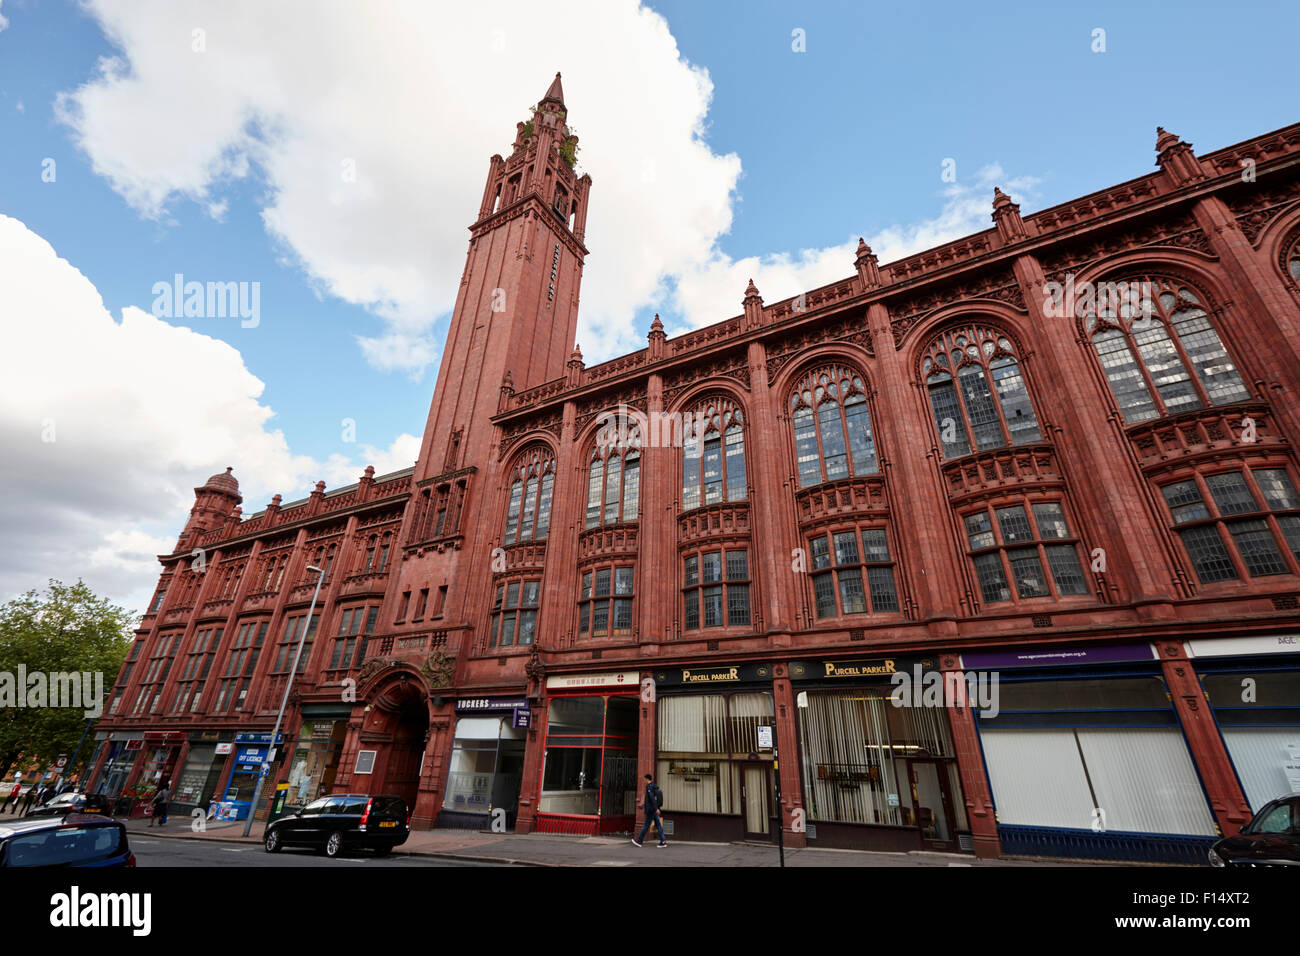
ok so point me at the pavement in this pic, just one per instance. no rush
(553, 849)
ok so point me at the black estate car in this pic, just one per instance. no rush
(343, 821)
(73, 840)
(1272, 838)
(72, 802)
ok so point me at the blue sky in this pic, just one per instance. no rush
(802, 152)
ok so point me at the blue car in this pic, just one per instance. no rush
(72, 840)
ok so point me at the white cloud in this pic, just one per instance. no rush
(4, 23)
(414, 97)
(105, 431)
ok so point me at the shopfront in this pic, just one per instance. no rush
(316, 758)
(1253, 687)
(197, 784)
(879, 768)
(124, 750)
(589, 765)
(1086, 756)
(716, 784)
(251, 751)
(487, 761)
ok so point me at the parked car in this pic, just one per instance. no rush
(73, 840)
(1271, 838)
(74, 802)
(343, 821)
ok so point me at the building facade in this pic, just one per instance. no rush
(996, 547)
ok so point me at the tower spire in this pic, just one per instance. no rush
(555, 93)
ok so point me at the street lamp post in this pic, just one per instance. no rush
(284, 701)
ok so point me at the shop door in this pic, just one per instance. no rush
(932, 804)
(756, 800)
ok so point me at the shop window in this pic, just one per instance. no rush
(195, 673)
(590, 762)
(832, 427)
(1062, 751)
(240, 664)
(1028, 546)
(614, 480)
(528, 514)
(713, 454)
(486, 768)
(1260, 728)
(605, 602)
(846, 580)
(702, 742)
(1160, 354)
(977, 392)
(856, 748)
(716, 589)
(293, 628)
(1245, 520)
(514, 613)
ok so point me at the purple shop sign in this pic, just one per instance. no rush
(1048, 656)
(522, 718)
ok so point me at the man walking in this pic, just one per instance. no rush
(160, 804)
(654, 801)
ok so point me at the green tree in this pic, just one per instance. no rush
(67, 628)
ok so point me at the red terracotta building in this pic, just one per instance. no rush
(1052, 462)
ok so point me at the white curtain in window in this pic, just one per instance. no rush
(1259, 754)
(847, 770)
(1145, 780)
(1037, 778)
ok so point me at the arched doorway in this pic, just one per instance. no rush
(398, 727)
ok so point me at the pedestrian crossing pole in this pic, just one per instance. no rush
(780, 810)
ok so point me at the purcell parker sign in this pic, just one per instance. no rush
(881, 667)
(696, 676)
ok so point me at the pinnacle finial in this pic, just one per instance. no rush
(751, 291)
(1165, 139)
(656, 325)
(863, 248)
(555, 91)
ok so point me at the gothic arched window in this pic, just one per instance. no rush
(1163, 323)
(528, 516)
(614, 480)
(1293, 261)
(713, 454)
(832, 427)
(977, 392)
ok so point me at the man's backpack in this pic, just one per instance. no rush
(658, 796)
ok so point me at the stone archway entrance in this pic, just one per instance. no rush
(397, 727)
